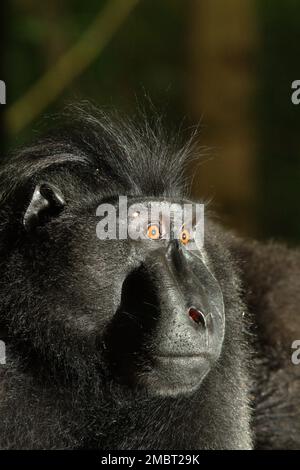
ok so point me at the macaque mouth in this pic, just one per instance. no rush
(180, 357)
(158, 339)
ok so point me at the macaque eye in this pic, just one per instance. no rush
(184, 236)
(153, 232)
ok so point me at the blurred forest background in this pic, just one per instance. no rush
(227, 64)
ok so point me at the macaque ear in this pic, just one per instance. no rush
(47, 201)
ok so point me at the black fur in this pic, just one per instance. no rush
(58, 292)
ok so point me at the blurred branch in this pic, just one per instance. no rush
(69, 66)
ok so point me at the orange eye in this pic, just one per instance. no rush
(184, 236)
(153, 232)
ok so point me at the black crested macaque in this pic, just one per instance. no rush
(136, 344)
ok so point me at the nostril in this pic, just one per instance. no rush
(197, 316)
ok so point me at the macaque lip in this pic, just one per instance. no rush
(178, 356)
(181, 359)
(176, 374)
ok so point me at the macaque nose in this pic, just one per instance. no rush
(197, 316)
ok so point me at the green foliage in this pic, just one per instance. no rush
(145, 57)
(278, 119)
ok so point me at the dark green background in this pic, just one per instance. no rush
(148, 57)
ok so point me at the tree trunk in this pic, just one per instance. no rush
(220, 94)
